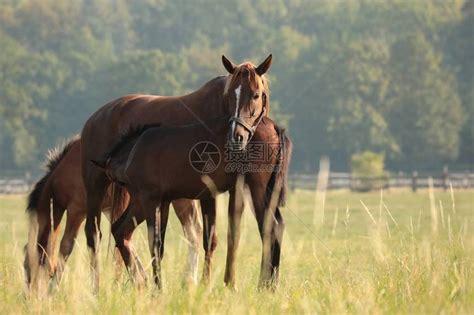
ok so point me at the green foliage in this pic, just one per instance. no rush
(425, 112)
(368, 163)
(148, 72)
(459, 50)
(368, 171)
(348, 76)
(26, 80)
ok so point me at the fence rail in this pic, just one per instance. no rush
(14, 186)
(335, 180)
(359, 183)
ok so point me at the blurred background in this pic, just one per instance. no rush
(384, 81)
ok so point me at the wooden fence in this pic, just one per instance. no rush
(14, 186)
(335, 180)
(414, 181)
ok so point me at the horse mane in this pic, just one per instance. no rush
(132, 133)
(53, 157)
(214, 80)
(253, 78)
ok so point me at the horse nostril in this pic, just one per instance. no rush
(240, 138)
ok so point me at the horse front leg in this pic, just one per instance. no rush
(236, 208)
(75, 217)
(39, 261)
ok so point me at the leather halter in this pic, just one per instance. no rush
(249, 128)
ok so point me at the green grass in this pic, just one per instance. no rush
(354, 264)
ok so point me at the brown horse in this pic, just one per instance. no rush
(104, 127)
(147, 160)
(61, 189)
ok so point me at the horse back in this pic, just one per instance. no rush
(107, 124)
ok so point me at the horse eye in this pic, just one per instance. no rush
(256, 96)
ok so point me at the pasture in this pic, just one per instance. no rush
(396, 252)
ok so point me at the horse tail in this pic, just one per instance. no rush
(118, 199)
(280, 172)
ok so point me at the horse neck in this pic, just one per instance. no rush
(214, 130)
(208, 102)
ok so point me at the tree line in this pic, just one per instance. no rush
(391, 77)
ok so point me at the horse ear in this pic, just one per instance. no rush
(99, 164)
(264, 66)
(228, 65)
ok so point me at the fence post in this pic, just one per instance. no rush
(445, 177)
(414, 179)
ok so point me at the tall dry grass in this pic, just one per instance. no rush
(375, 253)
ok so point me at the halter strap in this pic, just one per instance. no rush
(249, 128)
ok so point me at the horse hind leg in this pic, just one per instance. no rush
(114, 206)
(271, 226)
(122, 230)
(96, 185)
(117, 258)
(276, 240)
(156, 222)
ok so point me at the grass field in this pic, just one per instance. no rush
(396, 252)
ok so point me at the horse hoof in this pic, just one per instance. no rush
(232, 287)
(267, 285)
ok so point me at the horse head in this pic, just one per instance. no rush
(246, 95)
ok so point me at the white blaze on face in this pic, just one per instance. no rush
(237, 100)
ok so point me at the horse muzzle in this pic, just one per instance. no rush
(237, 141)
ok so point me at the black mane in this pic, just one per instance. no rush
(53, 158)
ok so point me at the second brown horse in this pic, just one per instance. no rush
(61, 190)
(147, 160)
